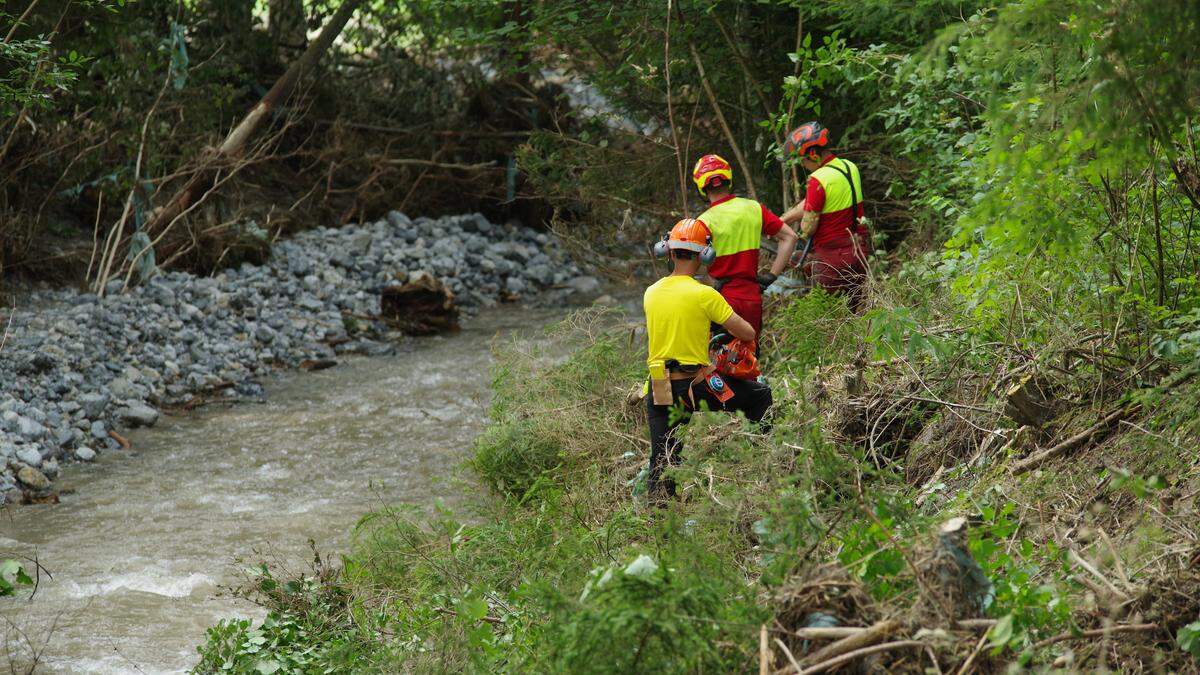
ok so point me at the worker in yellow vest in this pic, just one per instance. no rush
(679, 313)
(831, 214)
(738, 225)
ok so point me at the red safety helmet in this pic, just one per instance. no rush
(806, 137)
(711, 168)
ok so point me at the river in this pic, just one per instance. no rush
(142, 550)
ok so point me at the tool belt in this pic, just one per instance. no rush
(663, 394)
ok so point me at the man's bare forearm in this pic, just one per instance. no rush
(793, 215)
(787, 238)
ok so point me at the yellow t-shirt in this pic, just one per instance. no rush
(679, 310)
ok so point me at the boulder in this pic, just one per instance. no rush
(138, 415)
(585, 285)
(29, 455)
(94, 404)
(32, 478)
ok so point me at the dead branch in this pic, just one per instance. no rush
(1037, 459)
(859, 653)
(716, 107)
(828, 633)
(966, 666)
(1086, 566)
(788, 653)
(106, 260)
(868, 636)
(124, 442)
(199, 184)
(20, 20)
(433, 164)
(1098, 632)
(764, 651)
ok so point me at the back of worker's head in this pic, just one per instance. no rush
(689, 239)
(717, 187)
(811, 142)
(712, 175)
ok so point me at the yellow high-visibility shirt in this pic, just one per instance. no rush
(679, 310)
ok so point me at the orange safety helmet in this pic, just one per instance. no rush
(709, 168)
(688, 234)
(806, 137)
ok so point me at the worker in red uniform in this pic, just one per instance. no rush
(831, 214)
(738, 225)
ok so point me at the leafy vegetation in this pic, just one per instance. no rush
(1033, 177)
(13, 575)
(1032, 170)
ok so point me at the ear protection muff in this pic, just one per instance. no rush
(708, 254)
(661, 248)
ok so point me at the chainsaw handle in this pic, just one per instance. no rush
(804, 252)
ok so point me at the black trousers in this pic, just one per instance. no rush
(750, 397)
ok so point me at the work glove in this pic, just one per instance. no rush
(765, 279)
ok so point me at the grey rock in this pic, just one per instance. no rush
(85, 454)
(29, 455)
(65, 438)
(541, 273)
(360, 244)
(94, 405)
(73, 359)
(398, 220)
(122, 388)
(138, 415)
(30, 429)
(585, 285)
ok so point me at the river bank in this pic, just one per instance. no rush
(78, 370)
(142, 550)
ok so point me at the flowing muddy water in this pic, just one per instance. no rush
(142, 548)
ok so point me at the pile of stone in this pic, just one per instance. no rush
(75, 368)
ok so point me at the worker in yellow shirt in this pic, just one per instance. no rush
(679, 312)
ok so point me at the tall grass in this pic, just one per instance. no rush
(885, 425)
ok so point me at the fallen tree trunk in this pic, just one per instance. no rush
(201, 180)
(421, 306)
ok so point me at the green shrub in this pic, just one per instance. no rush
(307, 630)
(510, 457)
(813, 330)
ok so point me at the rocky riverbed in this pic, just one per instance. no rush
(75, 367)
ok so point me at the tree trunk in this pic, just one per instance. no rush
(201, 180)
(420, 306)
(287, 24)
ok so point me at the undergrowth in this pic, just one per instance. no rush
(884, 431)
